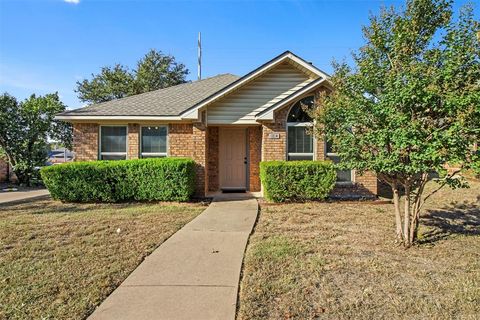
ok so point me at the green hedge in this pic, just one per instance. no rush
(164, 179)
(297, 180)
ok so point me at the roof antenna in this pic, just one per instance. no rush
(199, 56)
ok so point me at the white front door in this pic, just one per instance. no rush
(233, 158)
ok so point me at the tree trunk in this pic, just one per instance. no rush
(416, 209)
(406, 218)
(398, 217)
(24, 177)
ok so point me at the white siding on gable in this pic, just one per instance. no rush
(241, 106)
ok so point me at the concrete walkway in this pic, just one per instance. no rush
(192, 275)
(14, 196)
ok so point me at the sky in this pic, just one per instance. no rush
(48, 45)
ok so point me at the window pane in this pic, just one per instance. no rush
(342, 175)
(114, 139)
(329, 147)
(297, 112)
(299, 141)
(112, 157)
(154, 139)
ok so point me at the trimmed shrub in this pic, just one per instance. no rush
(162, 179)
(297, 180)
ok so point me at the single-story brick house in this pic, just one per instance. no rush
(226, 123)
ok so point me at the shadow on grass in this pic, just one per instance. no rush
(45, 206)
(457, 219)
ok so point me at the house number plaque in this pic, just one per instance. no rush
(274, 135)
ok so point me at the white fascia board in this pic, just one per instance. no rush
(308, 66)
(268, 114)
(142, 118)
(192, 115)
(238, 122)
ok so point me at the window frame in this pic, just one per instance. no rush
(100, 153)
(300, 124)
(153, 154)
(352, 172)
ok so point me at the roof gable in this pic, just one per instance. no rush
(242, 104)
(287, 57)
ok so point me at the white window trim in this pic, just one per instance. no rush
(100, 153)
(301, 124)
(159, 154)
(314, 141)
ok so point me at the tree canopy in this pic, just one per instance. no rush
(25, 128)
(154, 71)
(410, 105)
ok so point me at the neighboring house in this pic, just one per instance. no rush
(59, 156)
(227, 124)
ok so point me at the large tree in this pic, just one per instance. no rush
(410, 104)
(25, 128)
(154, 71)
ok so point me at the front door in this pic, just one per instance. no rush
(233, 158)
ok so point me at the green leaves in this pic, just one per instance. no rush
(24, 129)
(164, 179)
(413, 98)
(297, 180)
(154, 71)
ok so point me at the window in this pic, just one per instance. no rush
(113, 142)
(343, 176)
(154, 142)
(300, 142)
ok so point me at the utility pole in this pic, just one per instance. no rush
(199, 56)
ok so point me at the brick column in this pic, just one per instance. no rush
(133, 141)
(320, 152)
(212, 164)
(191, 141)
(255, 156)
(275, 147)
(85, 141)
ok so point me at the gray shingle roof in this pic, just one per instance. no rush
(170, 101)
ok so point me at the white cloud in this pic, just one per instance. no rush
(72, 1)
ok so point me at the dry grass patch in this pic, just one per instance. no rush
(339, 261)
(59, 261)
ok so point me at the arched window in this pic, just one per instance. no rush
(300, 142)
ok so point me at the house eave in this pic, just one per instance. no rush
(129, 118)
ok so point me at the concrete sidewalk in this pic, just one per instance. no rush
(14, 196)
(194, 274)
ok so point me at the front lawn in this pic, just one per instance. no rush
(59, 261)
(338, 261)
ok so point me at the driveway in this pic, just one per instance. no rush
(194, 274)
(14, 196)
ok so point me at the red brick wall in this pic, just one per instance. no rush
(212, 165)
(274, 148)
(85, 141)
(255, 156)
(190, 140)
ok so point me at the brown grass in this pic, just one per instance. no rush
(339, 261)
(59, 261)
